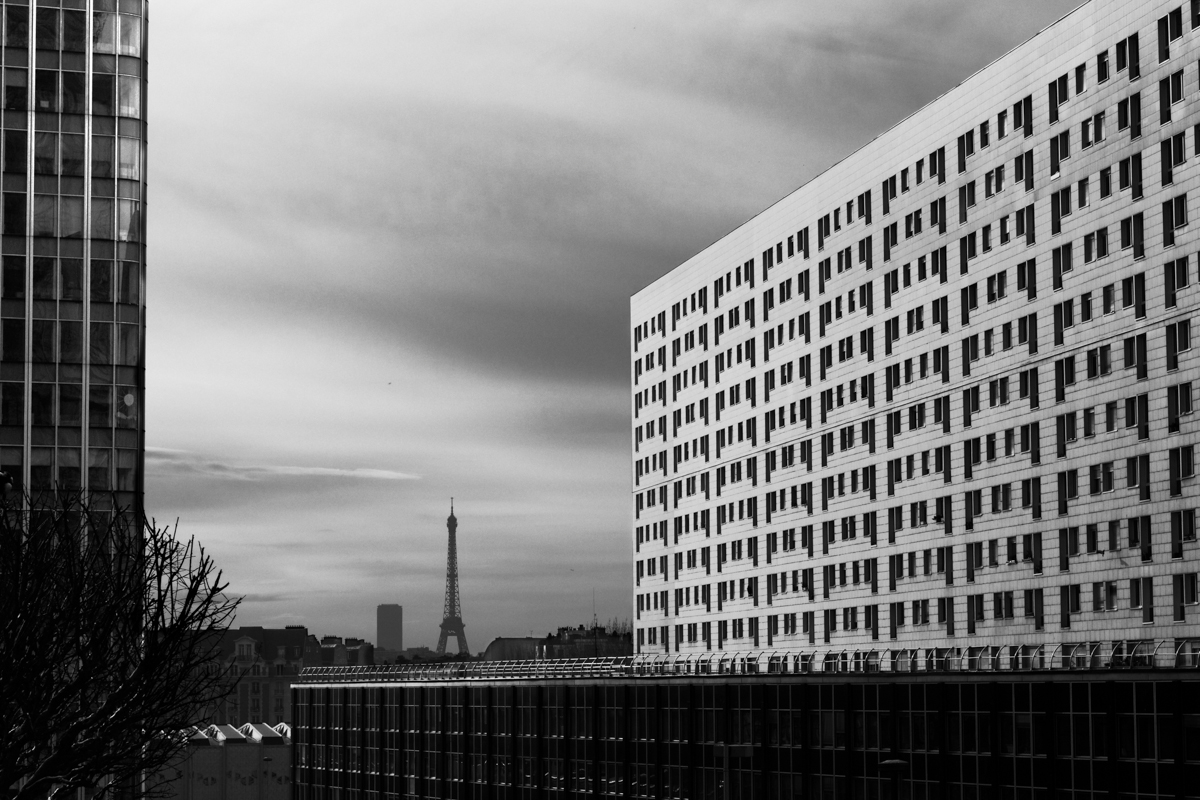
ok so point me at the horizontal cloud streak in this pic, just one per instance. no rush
(181, 462)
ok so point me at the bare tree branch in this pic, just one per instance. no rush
(110, 629)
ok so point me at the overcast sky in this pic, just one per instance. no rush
(392, 246)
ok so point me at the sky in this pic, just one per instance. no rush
(391, 251)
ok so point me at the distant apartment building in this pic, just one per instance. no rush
(338, 652)
(268, 660)
(941, 397)
(582, 642)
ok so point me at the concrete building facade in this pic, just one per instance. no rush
(940, 399)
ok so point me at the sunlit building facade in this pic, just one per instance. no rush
(941, 397)
(72, 288)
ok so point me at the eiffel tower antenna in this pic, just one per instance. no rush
(452, 624)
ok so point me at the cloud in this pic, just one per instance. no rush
(168, 462)
(267, 597)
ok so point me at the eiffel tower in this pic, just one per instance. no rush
(452, 624)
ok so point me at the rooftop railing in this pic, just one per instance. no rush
(1080, 657)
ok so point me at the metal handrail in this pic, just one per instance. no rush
(1124, 654)
(1154, 655)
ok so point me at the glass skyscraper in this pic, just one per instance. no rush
(72, 374)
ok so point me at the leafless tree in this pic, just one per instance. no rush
(109, 633)
(620, 627)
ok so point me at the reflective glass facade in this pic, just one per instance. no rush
(984, 736)
(72, 221)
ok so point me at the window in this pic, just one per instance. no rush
(966, 149)
(1099, 361)
(1130, 174)
(1102, 67)
(1173, 154)
(997, 286)
(1133, 235)
(1170, 92)
(1184, 590)
(1101, 478)
(1170, 28)
(1061, 263)
(1064, 376)
(1179, 404)
(1128, 57)
(1023, 115)
(1174, 218)
(1074, 605)
(1058, 96)
(1068, 489)
(1060, 150)
(1091, 131)
(1137, 475)
(1109, 591)
(1023, 170)
(1027, 278)
(1141, 595)
(1066, 430)
(1182, 465)
(1060, 208)
(1178, 341)
(1064, 318)
(1129, 115)
(1135, 355)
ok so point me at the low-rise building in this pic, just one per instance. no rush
(223, 762)
(339, 652)
(582, 642)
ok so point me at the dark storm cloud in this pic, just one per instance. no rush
(399, 240)
(510, 237)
